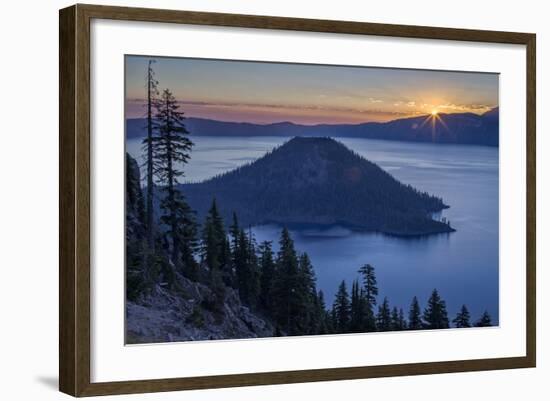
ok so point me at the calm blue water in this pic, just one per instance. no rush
(463, 266)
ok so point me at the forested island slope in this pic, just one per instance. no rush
(318, 182)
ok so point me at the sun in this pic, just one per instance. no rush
(434, 113)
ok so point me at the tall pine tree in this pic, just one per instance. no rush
(171, 148)
(402, 321)
(267, 269)
(324, 317)
(484, 320)
(358, 308)
(435, 314)
(383, 318)
(152, 93)
(246, 268)
(214, 239)
(286, 285)
(234, 232)
(370, 293)
(415, 318)
(462, 318)
(254, 271)
(397, 319)
(138, 273)
(307, 296)
(341, 309)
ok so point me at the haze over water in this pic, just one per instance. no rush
(462, 265)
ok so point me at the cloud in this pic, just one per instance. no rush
(291, 107)
(479, 108)
(373, 110)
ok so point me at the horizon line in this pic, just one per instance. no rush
(427, 114)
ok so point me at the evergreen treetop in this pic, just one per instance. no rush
(462, 318)
(435, 314)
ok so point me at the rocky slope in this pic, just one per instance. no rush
(185, 314)
(188, 310)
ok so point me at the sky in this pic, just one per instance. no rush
(264, 93)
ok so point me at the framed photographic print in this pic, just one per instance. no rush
(250, 200)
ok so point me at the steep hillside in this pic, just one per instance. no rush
(318, 181)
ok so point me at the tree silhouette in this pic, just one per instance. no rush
(323, 315)
(358, 308)
(247, 270)
(462, 318)
(383, 317)
(152, 93)
(286, 286)
(341, 309)
(370, 293)
(402, 321)
(435, 314)
(484, 320)
(307, 294)
(415, 318)
(397, 319)
(170, 147)
(267, 268)
(214, 239)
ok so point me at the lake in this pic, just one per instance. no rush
(463, 265)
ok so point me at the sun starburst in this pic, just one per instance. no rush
(434, 119)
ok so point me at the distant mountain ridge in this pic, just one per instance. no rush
(458, 128)
(318, 182)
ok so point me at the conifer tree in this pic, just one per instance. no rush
(341, 309)
(188, 233)
(267, 268)
(415, 319)
(435, 314)
(332, 321)
(171, 147)
(402, 321)
(227, 263)
(370, 293)
(307, 296)
(233, 250)
(215, 251)
(462, 318)
(214, 239)
(285, 286)
(324, 317)
(240, 257)
(138, 276)
(397, 319)
(383, 318)
(358, 308)
(253, 271)
(246, 267)
(484, 320)
(152, 93)
(234, 231)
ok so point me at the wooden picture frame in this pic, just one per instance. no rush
(74, 199)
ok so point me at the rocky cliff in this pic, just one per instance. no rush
(186, 314)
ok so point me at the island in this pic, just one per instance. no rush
(318, 181)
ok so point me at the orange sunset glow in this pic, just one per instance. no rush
(266, 93)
